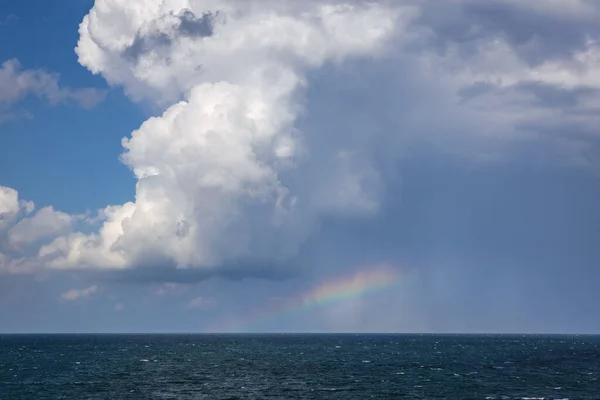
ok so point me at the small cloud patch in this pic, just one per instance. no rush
(75, 294)
(202, 303)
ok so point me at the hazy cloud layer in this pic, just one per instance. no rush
(201, 303)
(17, 83)
(8, 19)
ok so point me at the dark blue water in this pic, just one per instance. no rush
(299, 367)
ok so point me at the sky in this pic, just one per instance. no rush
(286, 166)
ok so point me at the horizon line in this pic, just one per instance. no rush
(306, 333)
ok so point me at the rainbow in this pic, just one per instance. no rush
(356, 285)
(330, 292)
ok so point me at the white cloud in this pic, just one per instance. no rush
(16, 84)
(22, 230)
(75, 294)
(45, 223)
(209, 169)
(269, 37)
(9, 206)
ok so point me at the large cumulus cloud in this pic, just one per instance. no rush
(209, 168)
(226, 173)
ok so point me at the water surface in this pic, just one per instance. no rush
(298, 367)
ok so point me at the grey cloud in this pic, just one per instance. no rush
(193, 26)
(518, 241)
(470, 92)
(145, 44)
(188, 25)
(569, 114)
(559, 97)
(515, 236)
(544, 95)
(536, 36)
(160, 274)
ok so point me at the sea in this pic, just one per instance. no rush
(299, 366)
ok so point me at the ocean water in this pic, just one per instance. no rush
(299, 367)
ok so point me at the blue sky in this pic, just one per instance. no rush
(62, 147)
(273, 151)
